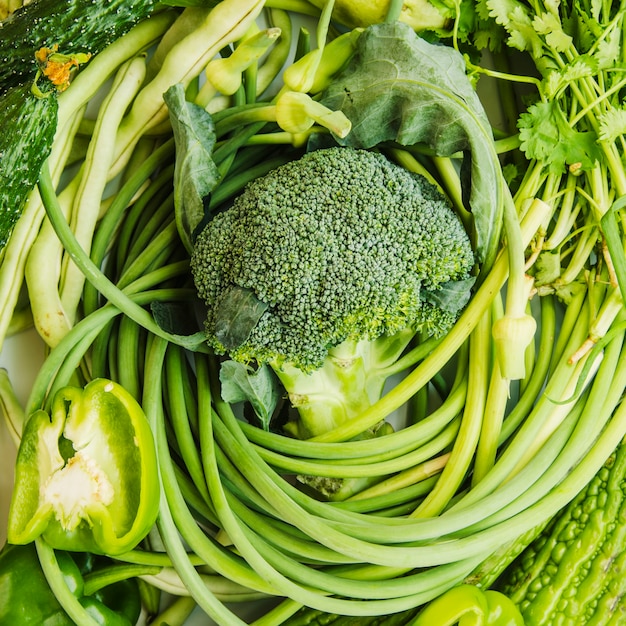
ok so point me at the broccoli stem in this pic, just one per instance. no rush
(351, 380)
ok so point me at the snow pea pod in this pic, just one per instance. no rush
(86, 474)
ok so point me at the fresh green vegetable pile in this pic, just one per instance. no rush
(204, 261)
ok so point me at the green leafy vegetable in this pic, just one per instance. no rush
(196, 173)
(452, 296)
(546, 135)
(260, 387)
(326, 268)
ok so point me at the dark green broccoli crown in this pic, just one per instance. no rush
(339, 244)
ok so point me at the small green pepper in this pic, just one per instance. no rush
(26, 598)
(102, 613)
(123, 598)
(86, 477)
(468, 605)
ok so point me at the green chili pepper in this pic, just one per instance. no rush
(468, 605)
(26, 598)
(86, 475)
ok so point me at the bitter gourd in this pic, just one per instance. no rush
(574, 573)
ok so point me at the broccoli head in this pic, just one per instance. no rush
(325, 269)
(340, 245)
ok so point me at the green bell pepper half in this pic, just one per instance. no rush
(468, 605)
(26, 598)
(86, 476)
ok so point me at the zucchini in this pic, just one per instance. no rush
(74, 25)
(574, 572)
(28, 128)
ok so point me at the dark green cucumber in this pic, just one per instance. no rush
(29, 123)
(573, 574)
(28, 127)
(74, 25)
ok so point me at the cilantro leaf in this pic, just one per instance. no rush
(612, 124)
(546, 135)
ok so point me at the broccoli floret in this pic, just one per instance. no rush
(344, 254)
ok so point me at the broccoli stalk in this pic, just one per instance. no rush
(350, 380)
(325, 269)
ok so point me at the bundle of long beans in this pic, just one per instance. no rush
(475, 462)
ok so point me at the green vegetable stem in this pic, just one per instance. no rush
(86, 473)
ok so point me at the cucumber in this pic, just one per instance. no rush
(28, 122)
(573, 573)
(74, 25)
(28, 126)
